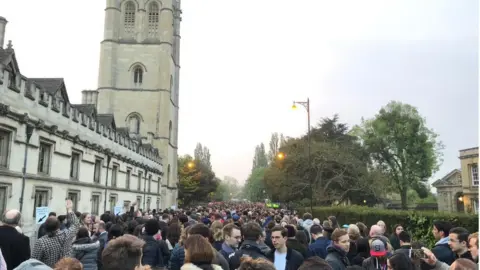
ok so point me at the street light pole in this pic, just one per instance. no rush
(306, 104)
(28, 135)
(109, 158)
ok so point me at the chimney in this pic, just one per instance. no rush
(3, 23)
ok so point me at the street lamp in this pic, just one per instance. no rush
(281, 156)
(191, 165)
(28, 135)
(306, 105)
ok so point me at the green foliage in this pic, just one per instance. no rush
(260, 157)
(195, 184)
(202, 154)
(254, 187)
(276, 141)
(418, 223)
(337, 169)
(402, 147)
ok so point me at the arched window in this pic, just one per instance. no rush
(170, 130)
(153, 19)
(134, 124)
(129, 18)
(138, 75)
(168, 175)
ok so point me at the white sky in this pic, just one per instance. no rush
(244, 62)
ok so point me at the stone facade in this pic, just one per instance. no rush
(138, 78)
(69, 151)
(458, 190)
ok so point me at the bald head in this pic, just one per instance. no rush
(376, 230)
(12, 217)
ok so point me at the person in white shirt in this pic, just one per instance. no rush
(282, 257)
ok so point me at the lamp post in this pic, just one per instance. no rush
(306, 104)
(28, 135)
(109, 158)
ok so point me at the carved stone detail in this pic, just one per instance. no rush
(53, 129)
(4, 109)
(24, 118)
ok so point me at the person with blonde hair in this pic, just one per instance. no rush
(217, 234)
(247, 263)
(68, 264)
(473, 246)
(199, 254)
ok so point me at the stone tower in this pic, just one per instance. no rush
(138, 79)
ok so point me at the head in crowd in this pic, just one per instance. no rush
(316, 231)
(232, 235)
(378, 249)
(363, 229)
(279, 237)
(174, 232)
(291, 231)
(458, 240)
(247, 263)
(151, 227)
(397, 229)
(217, 230)
(199, 229)
(123, 253)
(463, 264)
(316, 221)
(332, 220)
(400, 261)
(315, 263)
(340, 239)
(404, 238)
(198, 250)
(68, 264)
(301, 237)
(307, 216)
(473, 245)
(82, 233)
(376, 230)
(252, 232)
(441, 229)
(12, 218)
(353, 232)
(51, 226)
(115, 231)
(382, 225)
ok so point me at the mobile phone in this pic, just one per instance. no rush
(418, 254)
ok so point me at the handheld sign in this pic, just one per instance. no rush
(117, 210)
(41, 214)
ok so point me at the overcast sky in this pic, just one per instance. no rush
(244, 62)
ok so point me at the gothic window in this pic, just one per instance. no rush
(138, 75)
(170, 130)
(129, 18)
(134, 124)
(153, 19)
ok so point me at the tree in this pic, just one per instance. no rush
(260, 157)
(402, 146)
(339, 170)
(202, 154)
(274, 145)
(254, 187)
(195, 183)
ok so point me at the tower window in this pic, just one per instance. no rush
(138, 75)
(170, 131)
(134, 124)
(153, 19)
(129, 18)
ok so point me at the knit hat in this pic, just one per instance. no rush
(235, 217)
(377, 248)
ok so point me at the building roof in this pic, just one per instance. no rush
(107, 120)
(88, 109)
(51, 85)
(447, 179)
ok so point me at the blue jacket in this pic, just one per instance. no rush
(177, 258)
(319, 247)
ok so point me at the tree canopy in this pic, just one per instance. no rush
(403, 147)
(392, 152)
(196, 179)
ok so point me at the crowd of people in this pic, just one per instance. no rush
(226, 236)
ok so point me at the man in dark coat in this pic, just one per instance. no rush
(14, 245)
(41, 230)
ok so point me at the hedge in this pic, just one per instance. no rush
(417, 223)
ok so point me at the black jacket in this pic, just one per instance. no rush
(155, 252)
(337, 258)
(248, 248)
(296, 245)
(294, 258)
(14, 245)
